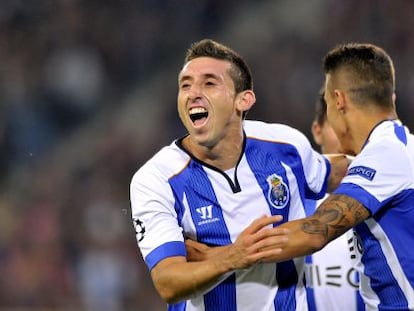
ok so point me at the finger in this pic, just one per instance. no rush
(271, 243)
(268, 233)
(269, 255)
(262, 222)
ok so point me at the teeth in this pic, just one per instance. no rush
(197, 110)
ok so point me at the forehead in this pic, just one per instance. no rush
(330, 83)
(327, 88)
(205, 66)
(328, 78)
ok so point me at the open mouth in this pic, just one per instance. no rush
(198, 115)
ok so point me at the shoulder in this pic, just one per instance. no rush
(276, 132)
(388, 140)
(167, 162)
(386, 160)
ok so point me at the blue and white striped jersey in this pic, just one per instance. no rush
(381, 178)
(174, 196)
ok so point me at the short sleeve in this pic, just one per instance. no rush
(155, 220)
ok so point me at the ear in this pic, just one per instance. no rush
(341, 101)
(317, 133)
(245, 100)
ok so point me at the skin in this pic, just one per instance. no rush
(217, 140)
(205, 82)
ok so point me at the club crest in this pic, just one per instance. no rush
(278, 194)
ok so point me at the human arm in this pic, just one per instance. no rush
(339, 166)
(177, 279)
(336, 215)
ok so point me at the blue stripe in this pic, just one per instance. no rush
(287, 280)
(382, 280)
(264, 165)
(360, 305)
(210, 226)
(169, 249)
(180, 306)
(395, 219)
(310, 207)
(178, 189)
(400, 133)
(394, 216)
(310, 296)
(224, 295)
(360, 194)
(322, 193)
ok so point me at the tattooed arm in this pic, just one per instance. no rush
(336, 215)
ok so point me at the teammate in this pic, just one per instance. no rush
(376, 197)
(331, 279)
(212, 183)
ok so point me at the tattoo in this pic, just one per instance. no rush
(334, 216)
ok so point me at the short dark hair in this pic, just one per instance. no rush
(320, 107)
(240, 72)
(371, 69)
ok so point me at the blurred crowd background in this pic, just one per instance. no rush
(88, 94)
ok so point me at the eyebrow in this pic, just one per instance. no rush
(205, 76)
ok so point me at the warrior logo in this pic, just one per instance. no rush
(278, 195)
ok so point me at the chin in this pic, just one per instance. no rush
(345, 150)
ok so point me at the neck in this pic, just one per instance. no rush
(363, 124)
(224, 155)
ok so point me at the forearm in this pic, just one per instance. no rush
(336, 215)
(176, 279)
(299, 242)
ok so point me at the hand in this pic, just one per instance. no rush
(256, 243)
(259, 243)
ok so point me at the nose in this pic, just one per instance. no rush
(194, 93)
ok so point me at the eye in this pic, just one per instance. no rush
(210, 83)
(185, 86)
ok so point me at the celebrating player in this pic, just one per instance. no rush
(217, 180)
(377, 195)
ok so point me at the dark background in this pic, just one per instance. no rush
(88, 94)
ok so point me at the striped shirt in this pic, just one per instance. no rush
(175, 196)
(381, 178)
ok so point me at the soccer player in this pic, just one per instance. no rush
(209, 185)
(331, 279)
(377, 195)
